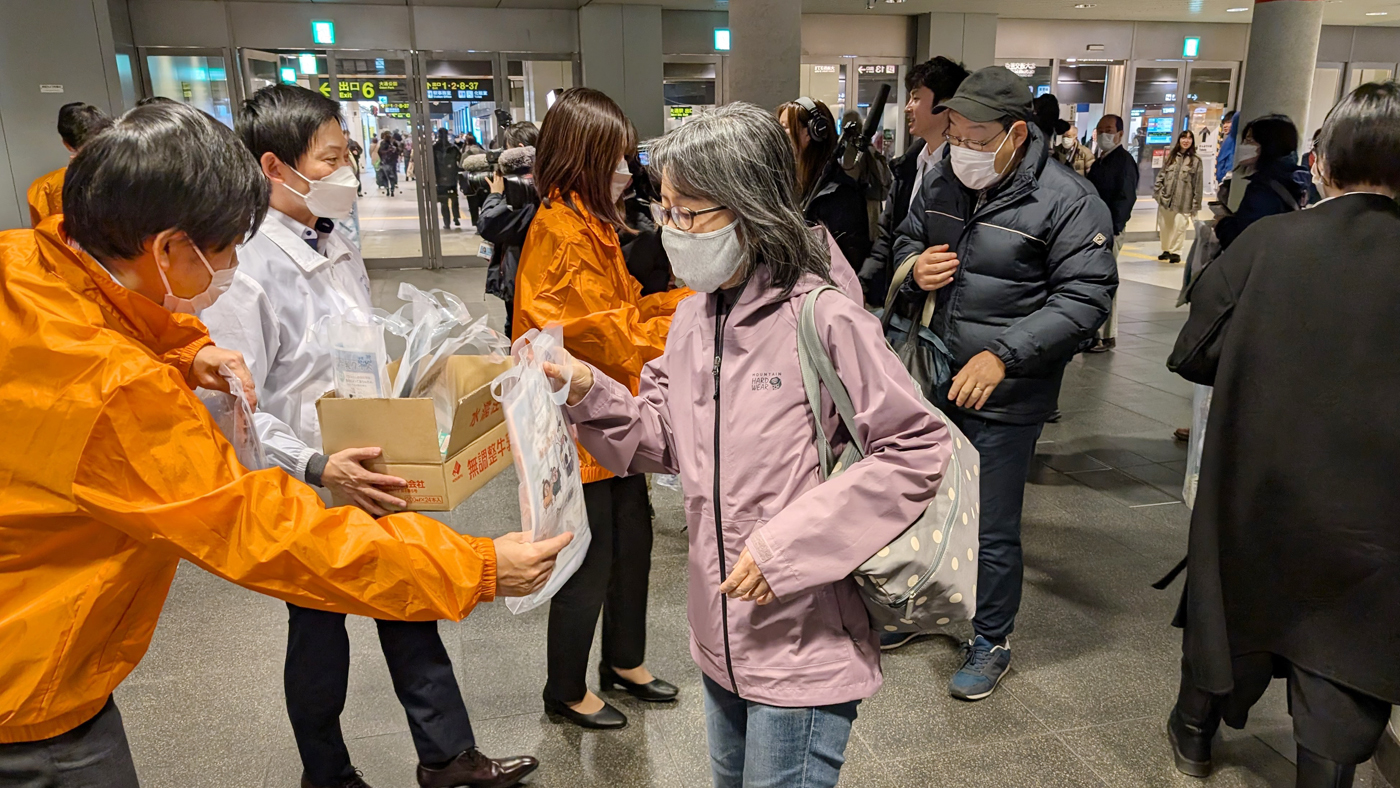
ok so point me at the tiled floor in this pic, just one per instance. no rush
(1094, 674)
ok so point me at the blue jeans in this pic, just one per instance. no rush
(753, 745)
(1006, 451)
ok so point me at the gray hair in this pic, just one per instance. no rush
(739, 156)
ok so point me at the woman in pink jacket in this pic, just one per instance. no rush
(777, 625)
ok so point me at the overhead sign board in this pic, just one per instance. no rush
(461, 89)
(681, 112)
(1022, 69)
(877, 69)
(721, 39)
(1191, 47)
(323, 31)
(367, 89)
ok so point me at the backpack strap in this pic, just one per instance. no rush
(818, 371)
(1288, 198)
(902, 273)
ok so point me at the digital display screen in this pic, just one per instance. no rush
(1159, 139)
(1159, 125)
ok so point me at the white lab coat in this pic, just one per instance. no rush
(282, 287)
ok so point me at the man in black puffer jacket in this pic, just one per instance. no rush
(1019, 250)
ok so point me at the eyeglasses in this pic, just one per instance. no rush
(683, 218)
(973, 144)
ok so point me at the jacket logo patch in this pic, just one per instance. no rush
(1099, 239)
(767, 381)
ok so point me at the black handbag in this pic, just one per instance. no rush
(921, 351)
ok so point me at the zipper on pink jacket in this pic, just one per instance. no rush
(721, 312)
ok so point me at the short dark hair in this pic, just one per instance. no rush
(1117, 121)
(522, 134)
(1275, 135)
(1360, 142)
(1045, 111)
(160, 167)
(283, 120)
(940, 75)
(156, 100)
(79, 122)
(1062, 127)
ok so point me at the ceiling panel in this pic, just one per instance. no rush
(1336, 12)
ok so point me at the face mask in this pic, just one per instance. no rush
(219, 282)
(976, 169)
(704, 261)
(1067, 142)
(1246, 152)
(1107, 143)
(621, 179)
(332, 197)
(1317, 178)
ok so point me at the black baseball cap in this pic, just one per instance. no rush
(991, 94)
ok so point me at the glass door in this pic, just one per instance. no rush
(1327, 90)
(197, 77)
(1210, 93)
(463, 96)
(691, 85)
(534, 80)
(891, 136)
(1082, 89)
(826, 80)
(1153, 118)
(1359, 74)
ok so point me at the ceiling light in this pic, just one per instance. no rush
(1086, 5)
(1377, 13)
(1236, 10)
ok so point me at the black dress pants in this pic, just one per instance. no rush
(317, 672)
(456, 213)
(1333, 721)
(92, 755)
(474, 203)
(613, 577)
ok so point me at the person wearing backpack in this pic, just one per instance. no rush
(1276, 182)
(778, 626)
(1019, 250)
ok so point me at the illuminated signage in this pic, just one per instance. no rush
(1024, 70)
(363, 89)
(891, 70)
(307, 62)
(823, 69)
(289, 75)
(395, 109)
(460, 89)
(323, 31)
(721, 39)
(1191, 47)
(678, 113)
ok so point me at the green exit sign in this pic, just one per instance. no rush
(1191, 47)
(323, 31)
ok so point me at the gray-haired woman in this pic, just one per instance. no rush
(777, 625)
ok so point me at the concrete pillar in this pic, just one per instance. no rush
(765, 62)
(620, 46)
(970, 39)
(1278, 71)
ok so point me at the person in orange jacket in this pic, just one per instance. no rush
(77, 123)
(112, 470)
(572, 274)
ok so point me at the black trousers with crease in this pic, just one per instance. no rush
(612, 578)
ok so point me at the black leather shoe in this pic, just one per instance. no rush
(472, 769)
(654, 691)
(1164, 256)
(353, 781)
(606, 718)
(1315, 771)
(1190, 746)
(1176, 258)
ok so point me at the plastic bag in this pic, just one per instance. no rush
(436, 326)
(670, 481)
(355, 339)
(1200, 414)
(234, 418)
(551, 491)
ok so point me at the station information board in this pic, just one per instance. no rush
(368, 89)
(461, 89)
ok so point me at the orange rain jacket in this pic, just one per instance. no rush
(572, 274)
(46, 196)
(111, 471)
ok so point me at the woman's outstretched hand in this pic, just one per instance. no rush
(580, 383)
(746, 582)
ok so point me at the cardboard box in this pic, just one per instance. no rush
(406, 430)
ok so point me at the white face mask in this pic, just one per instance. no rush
(1246, 153)
(1317, 179)
(1067, 142)
(704, 261)
(332, 197)
(977, 169)
(219, 282)
(621, 179)
(1107, 143)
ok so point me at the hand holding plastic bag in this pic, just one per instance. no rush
(546, 459)
(234, 417)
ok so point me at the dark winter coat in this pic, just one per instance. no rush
(1263, 197)
(1115, 176)
(1036, 279)
(504, 227)
(1295, 537)
(445, 168)
(841, 207)
(879, 265)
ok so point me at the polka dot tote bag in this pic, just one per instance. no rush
(927, 577)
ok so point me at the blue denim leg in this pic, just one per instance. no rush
(753, 745)
(1006, 451)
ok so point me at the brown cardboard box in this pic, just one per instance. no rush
(406, 430)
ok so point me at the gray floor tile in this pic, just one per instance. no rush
(1133, 753)
(1042, 761)
(1121, 487)
(1073, 463)
(1168, 480)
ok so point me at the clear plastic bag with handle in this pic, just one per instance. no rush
(1200, 414)
(355, 340)
(234, 418)
(546, 459)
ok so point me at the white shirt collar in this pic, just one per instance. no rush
(1347, 194)
(929, 155)
(291, 236)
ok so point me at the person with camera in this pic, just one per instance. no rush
(572, 275)
(477, 164)
(836, 202)
(507, 212)
(929, 84)
(1019, 250)
(446, 157)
